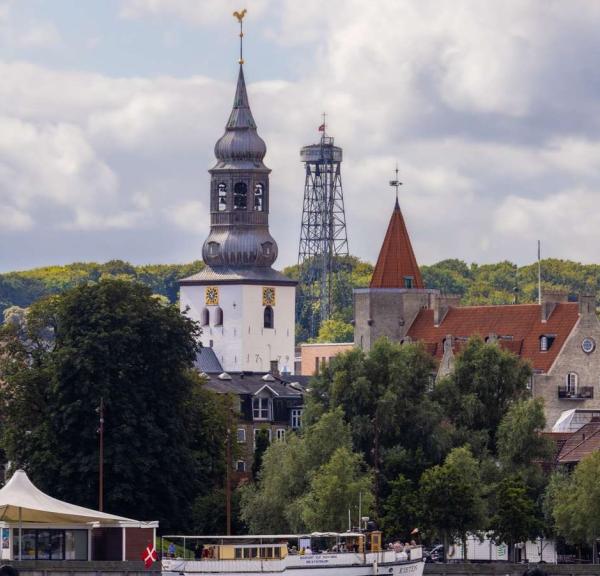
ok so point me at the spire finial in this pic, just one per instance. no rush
(396, 184)
(240, 18)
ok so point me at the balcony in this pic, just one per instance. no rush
(579, 393)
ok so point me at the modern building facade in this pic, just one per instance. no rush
(245, 307)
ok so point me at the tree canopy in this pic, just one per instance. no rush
(111, 341)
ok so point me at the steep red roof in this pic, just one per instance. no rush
(396, 258)
(518, 328)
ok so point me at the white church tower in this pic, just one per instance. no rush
(246, 309)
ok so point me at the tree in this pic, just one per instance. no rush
(515, 518)
(400, 509)
(576, 511)
(451, 497)
(261, 443)
(336, 487)
(277, 503)
(112, 341)
(485, 381)
(385, 398)
(333, 330)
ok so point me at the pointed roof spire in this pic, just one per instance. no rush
(241, 142)
(396, 266)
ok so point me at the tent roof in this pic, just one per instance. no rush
(20, 494)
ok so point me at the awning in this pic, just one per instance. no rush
(21, 501)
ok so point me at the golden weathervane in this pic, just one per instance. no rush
(240, 18)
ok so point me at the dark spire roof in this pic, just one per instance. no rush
(396, 258)
(240, 142)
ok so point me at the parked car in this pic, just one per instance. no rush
(435, 554)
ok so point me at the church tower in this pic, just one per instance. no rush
(390, 304)
(245, 307)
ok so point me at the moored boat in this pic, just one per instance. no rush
(316, 554)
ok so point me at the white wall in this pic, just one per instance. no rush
(242, 343)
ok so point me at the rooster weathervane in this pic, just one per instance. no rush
(239, 15)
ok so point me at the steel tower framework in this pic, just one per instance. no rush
(323, 234)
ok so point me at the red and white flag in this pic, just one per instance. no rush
(149, 555)
(322, 128)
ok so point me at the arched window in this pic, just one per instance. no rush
(219, 316)
(268, 317)
(572, 381)
(205, 317)
(258, 197)
(222, 202)
(240, 192)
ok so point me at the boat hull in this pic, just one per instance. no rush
(317, 565)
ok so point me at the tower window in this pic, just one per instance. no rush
(268, 317)
(240, 193)
(258, 197)
(205, 317)
(219, 316)
(267, 248)
(213, 248)
(408, 281)
(222, 202)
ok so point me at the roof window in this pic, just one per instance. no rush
(546, 341)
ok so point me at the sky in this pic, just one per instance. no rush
(109, 111)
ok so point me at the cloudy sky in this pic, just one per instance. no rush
(109, 110)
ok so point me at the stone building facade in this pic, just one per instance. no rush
(557, 337)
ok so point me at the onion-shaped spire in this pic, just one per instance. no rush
(241, 142)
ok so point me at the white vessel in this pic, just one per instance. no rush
(316, 554)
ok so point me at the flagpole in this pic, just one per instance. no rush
(101, 458)
(539, 262)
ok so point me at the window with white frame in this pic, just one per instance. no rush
(261, 408)
(281, 434)
(571, 382)
(296, 418)
(241, 435)
(240, 466)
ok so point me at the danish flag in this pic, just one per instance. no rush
(149, 555)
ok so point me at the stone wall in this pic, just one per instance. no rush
(572, 358)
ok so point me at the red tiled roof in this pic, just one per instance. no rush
(522, 322)
(396, 257)
(583, 442)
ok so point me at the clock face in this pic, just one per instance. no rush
(211, 296)
(268, 296)
(588, 345)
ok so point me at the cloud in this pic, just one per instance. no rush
(490, 109)
(14, 220)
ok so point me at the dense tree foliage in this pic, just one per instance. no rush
(163, 432)
(309, 482)
(476, 395)
(452, 496)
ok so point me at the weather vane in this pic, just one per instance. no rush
(240, 18)
(396, 183)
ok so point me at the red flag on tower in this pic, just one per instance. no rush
(322, 128)
(149, 555)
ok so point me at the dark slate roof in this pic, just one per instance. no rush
(207, 361)
(231, 275)
(288, 387)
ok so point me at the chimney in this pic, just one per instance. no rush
(441, 304)
(550, 298)
(587, 304)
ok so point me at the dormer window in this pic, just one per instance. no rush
(267, 248)
(258, 197)
(240, 193)
(213, 248)
(261, 408)
(546, 341)
(222, 196)
(408, 281)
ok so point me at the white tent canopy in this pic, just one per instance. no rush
(21, 501)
